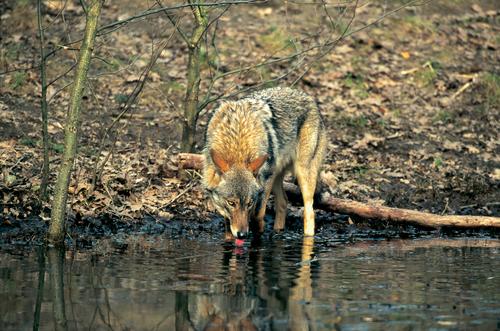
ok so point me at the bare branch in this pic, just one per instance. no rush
(128, 104)
(62, 75)
(83, 5)
(59, 91)
(176, 25)
(329, 45)
(180, 6)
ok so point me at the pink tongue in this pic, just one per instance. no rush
(239, 242)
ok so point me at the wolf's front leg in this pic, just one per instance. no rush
(280, 202)
(259, 217)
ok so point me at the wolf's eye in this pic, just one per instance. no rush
(231, 203)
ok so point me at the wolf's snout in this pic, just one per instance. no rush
(239, 231)
(239, 223)
(241, 234)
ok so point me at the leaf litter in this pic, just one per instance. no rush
(400, 134)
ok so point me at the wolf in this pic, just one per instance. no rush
(250, 145)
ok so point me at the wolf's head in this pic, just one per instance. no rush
(238, 193)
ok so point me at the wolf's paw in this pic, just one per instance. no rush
(279, 230)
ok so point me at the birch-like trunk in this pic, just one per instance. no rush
(193, 81)
(56, 228)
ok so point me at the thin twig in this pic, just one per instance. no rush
(44, 109)
(128, 20)
(120, 23)
(330, 47)
(290, 57)
(58, 91)
(128, 104)
(462, 89)
(190, 185)
(176, 25)
(62, 75)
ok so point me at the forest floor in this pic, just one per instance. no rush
(411, 105)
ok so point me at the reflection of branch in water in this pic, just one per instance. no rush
(56, 264)
(182, 320)
(106, 314)
(109, 313)
(96, 298)
(41, 285)
(301, 294)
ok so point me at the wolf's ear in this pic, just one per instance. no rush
(219, 161)
(255, 165)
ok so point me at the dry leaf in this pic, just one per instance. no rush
(368, 139)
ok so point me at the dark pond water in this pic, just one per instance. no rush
(281, 284)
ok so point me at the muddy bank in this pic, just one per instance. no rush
(86, 233)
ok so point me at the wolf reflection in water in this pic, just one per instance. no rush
(286, 295)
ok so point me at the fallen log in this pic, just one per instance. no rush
(370, 211)
(190, 161)
(383, 213)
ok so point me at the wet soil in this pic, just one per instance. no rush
(89, 233)
(400, 135)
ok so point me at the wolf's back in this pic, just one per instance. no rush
(267, 122)
(290, 109)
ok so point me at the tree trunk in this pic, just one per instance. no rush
(56, 228)
(368, 211)
(43, 107)
(193, 81)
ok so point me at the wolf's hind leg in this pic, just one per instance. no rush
(280, 202)
(307, 182)
(307, 167)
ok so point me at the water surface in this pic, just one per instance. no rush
(280, 284)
